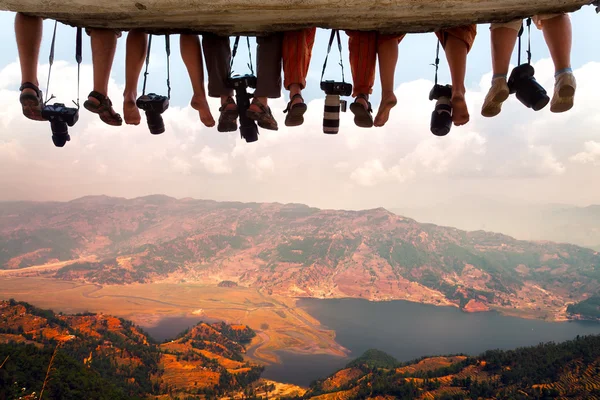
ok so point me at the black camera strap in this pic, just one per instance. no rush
(334, 33)
(234, 52)
(436, 64)
(146, 73)
(521, 31)
(78, 58)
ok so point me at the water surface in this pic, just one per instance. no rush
(408, 331)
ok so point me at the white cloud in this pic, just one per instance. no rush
(591, 154)
(213, 161)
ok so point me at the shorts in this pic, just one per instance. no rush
(538, 20)
(116, 31)
(465, 33)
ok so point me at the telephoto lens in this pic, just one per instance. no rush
(331, 115)
(441, 117)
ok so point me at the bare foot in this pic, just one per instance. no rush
(460, 112)
(131, 113)
(200, 104)
(388, 101)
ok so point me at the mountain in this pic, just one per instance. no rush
(293, 250)
(566, 370)
(102, 357)
(556, 222)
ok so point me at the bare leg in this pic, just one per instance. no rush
(387, 51)
(294, 90)
(191, 53)
(503, 43)
(456, 53)
(558, 35)
(137, 43)
(104, 45)
(28, 31)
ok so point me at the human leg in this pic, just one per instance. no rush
(191, 53)
(28, 33)
(363, 58)
(457, 42)
(104, 44)
(297, 52)
(387, 54)
(137, 43)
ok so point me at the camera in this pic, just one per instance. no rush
(241, 83)
(333, 104)
(154, 105)
(60, 118)
(528, 90)
(441, 117)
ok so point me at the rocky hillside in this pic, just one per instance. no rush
(569, 370)
(113, 359)
(293, 250)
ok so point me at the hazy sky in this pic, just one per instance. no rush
(522, 155)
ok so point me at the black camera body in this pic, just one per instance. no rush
(241, 83)
(336, 88)
(441, 117)
(60, 118)
(528, 90)
(154, 105)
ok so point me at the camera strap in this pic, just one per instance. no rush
(436, 64)
(78, 58)
(334, 33)
(521, 31)
(146, 73)
(234, 52)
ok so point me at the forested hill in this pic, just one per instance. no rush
(95, 356)
(566, 370)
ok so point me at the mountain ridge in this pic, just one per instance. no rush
(296, 251)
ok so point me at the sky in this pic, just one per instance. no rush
(521, 155)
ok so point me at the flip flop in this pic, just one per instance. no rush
(103, 109)
(363, 117)
(31, 103)
(295, 112)
(264, 118)
(228, 118)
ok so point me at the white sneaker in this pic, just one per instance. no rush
(564, 93)
(496, 96)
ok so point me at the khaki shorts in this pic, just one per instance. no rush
(538, 20)
(117, 32)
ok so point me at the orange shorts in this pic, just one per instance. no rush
(363, 47)
(465, 33)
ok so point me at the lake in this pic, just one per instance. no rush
(169, 327)
(408, 331)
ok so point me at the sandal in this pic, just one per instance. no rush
(295, 112)
(264, 117)
(228, 117)
(31, 103)
(103, 109)
(363, 117)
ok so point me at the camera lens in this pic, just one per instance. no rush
(156, 124)
(532, 94)
(331, 114)
(59, 128)
(441, 118)
(60, 141)
(249, 132)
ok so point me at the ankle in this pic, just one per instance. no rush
(130, 96)
(560, 72)
(499, 76)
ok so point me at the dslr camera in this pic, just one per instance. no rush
(528, 90)
(154, 105)
(60, 118)
(333, 104)
(441, 117)
(241, 83)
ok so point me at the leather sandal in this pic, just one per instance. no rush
(295, 112)
(228, 117)
(363, 117)
(264, 118)
(31, 103)
(103, 108)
